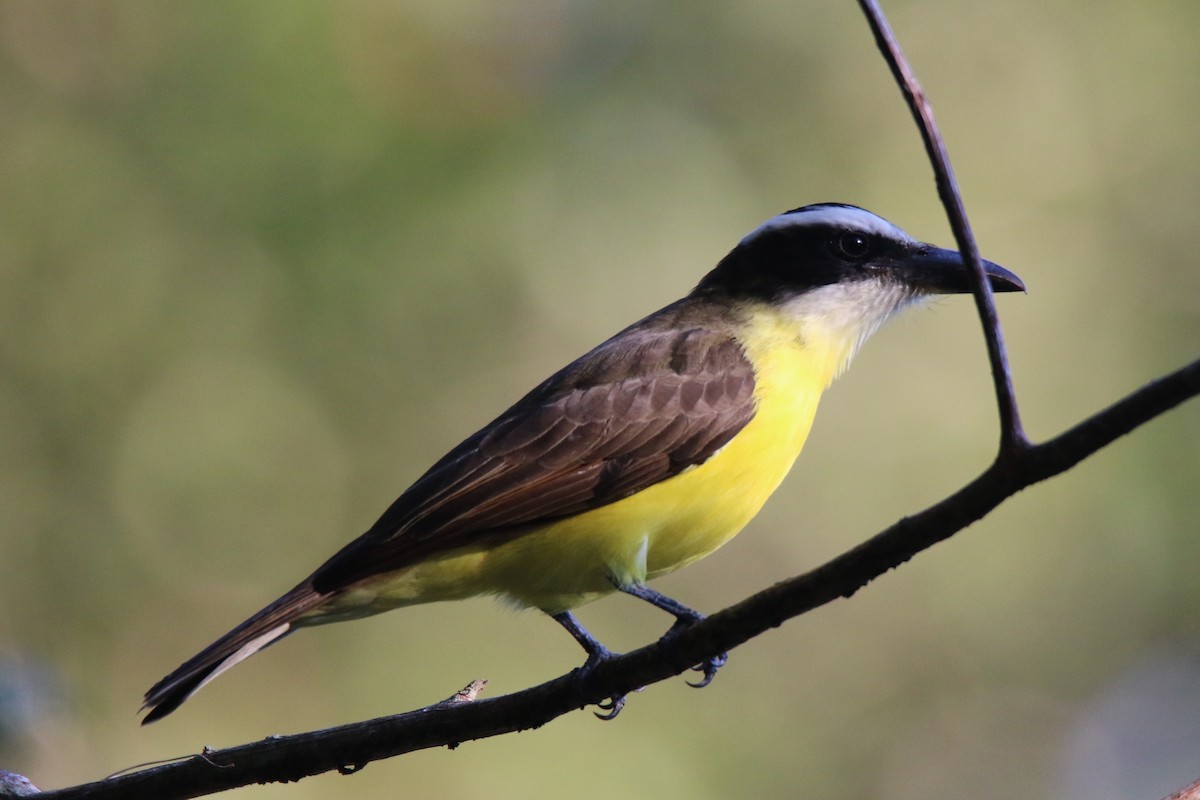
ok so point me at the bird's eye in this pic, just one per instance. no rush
(852, 246)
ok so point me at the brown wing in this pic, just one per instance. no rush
(658, 397)
(638, 409)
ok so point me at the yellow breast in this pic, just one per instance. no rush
(571, 561)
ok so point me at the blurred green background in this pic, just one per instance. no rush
(262, 263)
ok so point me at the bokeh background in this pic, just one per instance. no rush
(262, 263)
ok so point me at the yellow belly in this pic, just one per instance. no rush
(570, 561)
(666, 526)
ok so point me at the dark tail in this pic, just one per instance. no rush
(264, 628)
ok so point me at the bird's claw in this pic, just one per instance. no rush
(709, 668)
(611, 707)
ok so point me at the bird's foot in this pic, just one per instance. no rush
(610, 706)
(597, 655)
(709, 666)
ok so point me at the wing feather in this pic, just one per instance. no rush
(642, 407)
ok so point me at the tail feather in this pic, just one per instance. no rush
(264, 628)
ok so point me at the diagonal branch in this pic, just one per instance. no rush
(349, 747)
(1012, 434)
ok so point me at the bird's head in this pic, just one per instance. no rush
(831, 244)
(840, 271)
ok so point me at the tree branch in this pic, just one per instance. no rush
(1189, 792)
(349, 747)
(1012, 433)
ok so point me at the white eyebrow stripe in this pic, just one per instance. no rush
(846, 217)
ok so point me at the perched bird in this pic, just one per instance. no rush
(643, 455)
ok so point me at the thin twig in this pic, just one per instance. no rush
(1012, 433)
(1189, 792)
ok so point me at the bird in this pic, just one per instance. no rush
(643, 455)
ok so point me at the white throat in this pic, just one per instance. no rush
(841, 316)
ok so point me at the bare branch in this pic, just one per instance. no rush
(447, 724)
(1189, 792)
(1012, 433)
